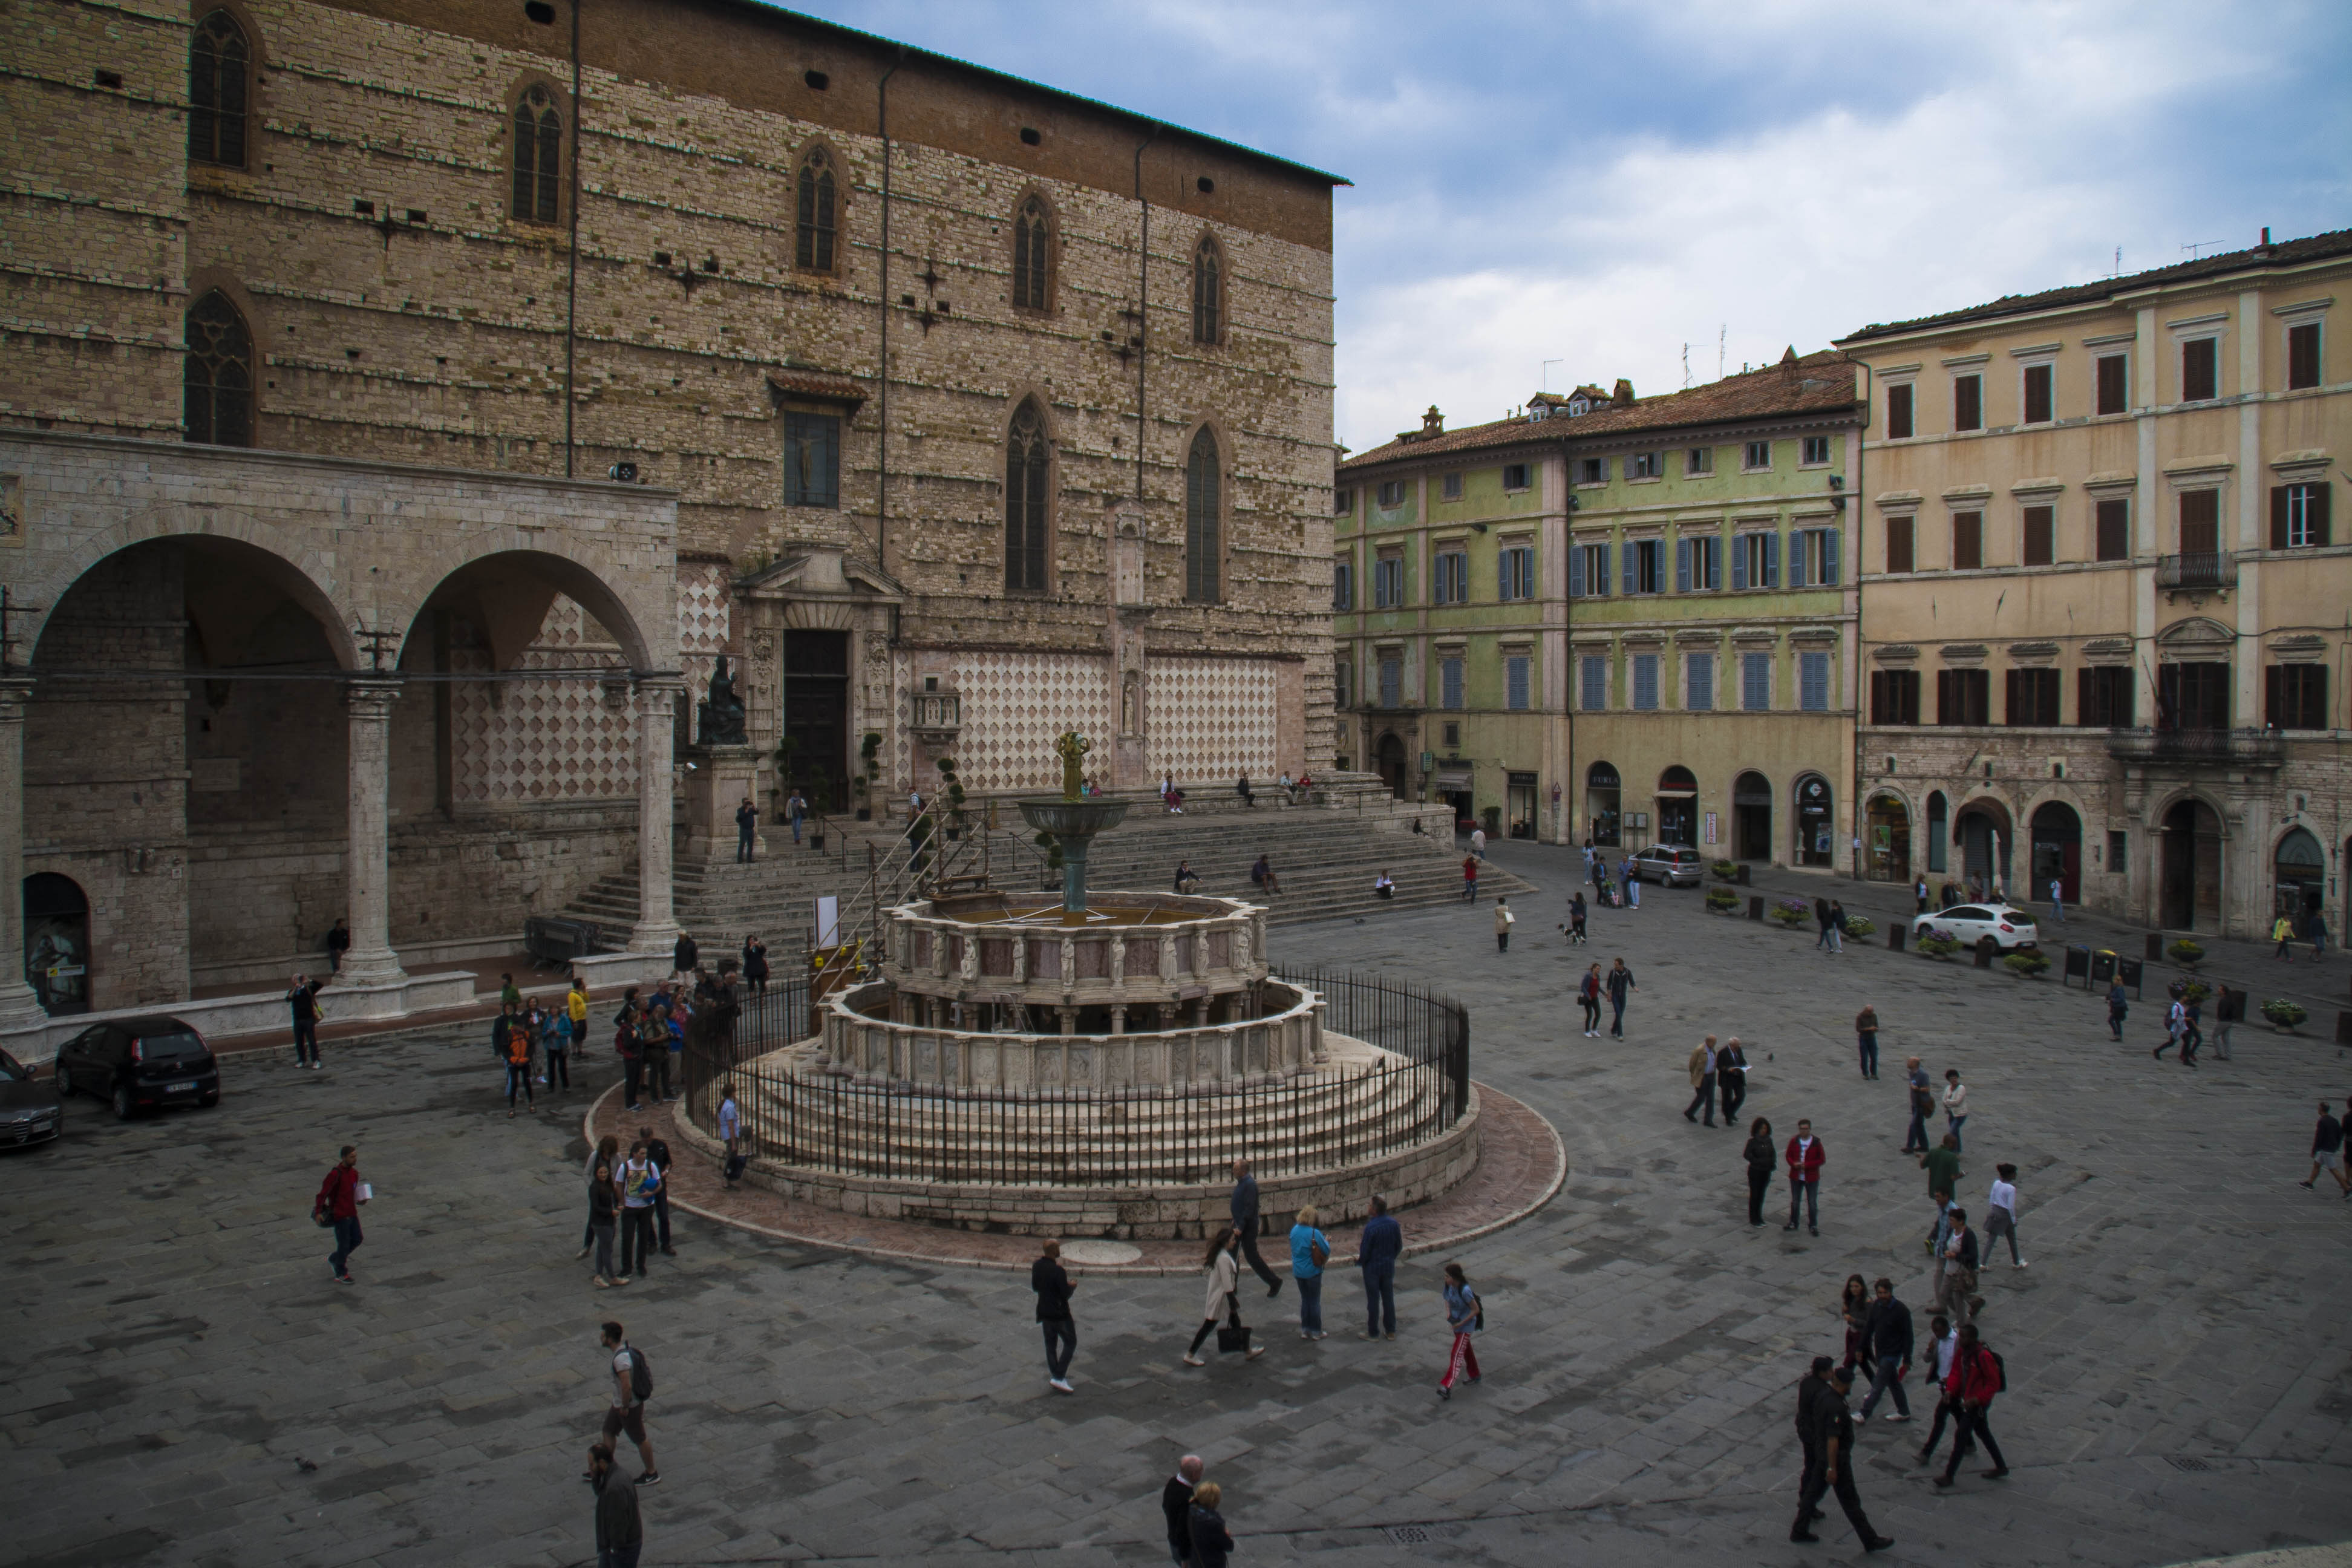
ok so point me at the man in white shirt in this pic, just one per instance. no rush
(627, 1412)
(1478, 842)
(1946, 1343)
(2058, 901)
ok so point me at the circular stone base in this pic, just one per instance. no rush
(1102, 1254)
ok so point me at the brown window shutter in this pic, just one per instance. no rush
(2271, 697)
(1945, 714)
(1878, 696)
(1899, 543)
(2084, 701)
(2320, 492)
(2278, 517)
(2010, 683)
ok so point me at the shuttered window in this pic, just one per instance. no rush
(2200, 523)
(2103, 697)
(1645, 681)
(1895, 697)
(1515, 571)
(1813, 682)
(1963, 697)
(2040, 385)
(1968, 541)
(1391, 682)
(1592, 682)
(1343, 584)
(2114, 395)
(2031, 696)
(2041, 535)
(1898, 412)
(1516, 671)
(1452, 573)
(2299, 517)
(2200, 370)
(1968, 402)
(2114, 531)
(2302, 356)
(1755, 682)
(1899, 543)
(1698, 685)
(2297, 696)
(1449, 682)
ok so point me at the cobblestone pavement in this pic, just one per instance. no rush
(2178, 1368)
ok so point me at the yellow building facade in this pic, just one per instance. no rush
(2104, 617)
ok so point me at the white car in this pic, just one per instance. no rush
(2007, 925)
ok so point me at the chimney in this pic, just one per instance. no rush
(2266, 237)
(1433, 423)
(1624, 393)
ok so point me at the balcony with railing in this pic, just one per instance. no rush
(938, 716)
(2242, 748)
(2200, 571)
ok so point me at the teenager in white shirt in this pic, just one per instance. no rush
(2000, 1215)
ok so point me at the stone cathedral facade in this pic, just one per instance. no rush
(514, 361)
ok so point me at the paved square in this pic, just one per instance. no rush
(2178, 1364)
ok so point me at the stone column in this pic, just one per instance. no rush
(656, 927)
(366, 860)
(19, 1007)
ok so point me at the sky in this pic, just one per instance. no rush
(1623, 188)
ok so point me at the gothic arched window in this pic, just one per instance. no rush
(1025, 512)
(813, 243)
(1033, 237)
(1208, 291)
(218, 60)
(538, 157)
(1201, 521)
(218, 378)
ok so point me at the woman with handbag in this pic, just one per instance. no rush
(1763, 1158)
(1310, 1249)
(1225, 1272)
(1466, 1316)
(1853, 1306)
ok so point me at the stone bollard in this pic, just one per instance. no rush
(1894, 935)
(1756, 907)
(2344, 1028)
(2156, 945)
(1986, 948)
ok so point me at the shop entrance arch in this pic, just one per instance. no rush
(1389, 761)
(2191, 886)
(57, 942)
(1751, 817)
(1677, 807)
(1816, 842)
(2299, 870)
(2057, 853)
(1602, 793)
(1888, 841)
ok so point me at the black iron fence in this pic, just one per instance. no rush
(1136, 1137)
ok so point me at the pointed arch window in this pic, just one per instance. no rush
(1208, 291)
(538, 157)
(1026, 477)
(1033, 242)
(218, 378)
(1201, 521)
(817, 225)
(218, 61)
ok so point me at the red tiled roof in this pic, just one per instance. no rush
(2286, 253)
(817, 385)
(1819, 382)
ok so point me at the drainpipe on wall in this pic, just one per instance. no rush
(1861, 674)
(571, 282)
(882, 411)
(1142, 317)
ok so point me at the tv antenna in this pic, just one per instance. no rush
(2195, 246)
(1720, 333)
(1686, 366)
(1544, 376)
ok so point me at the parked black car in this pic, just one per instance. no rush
(139, 1064)
(30, 1110)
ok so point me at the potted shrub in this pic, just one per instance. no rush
(1722, 900)
(955, 798)
(1792, 912)
(2195, 992)
(1939, 945)
(1727, 869)
(2026, 965)
(2186, 953)
(1053, 861)
(2283, 1015)
(1860, 926)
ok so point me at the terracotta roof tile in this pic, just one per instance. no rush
(2286, 253)
(1819, 382)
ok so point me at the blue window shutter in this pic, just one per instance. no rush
(1771, 561)
(1739, 562)
(1600, 585)
(1715, 561)
(1629, 548)
(1829, 556)
(1576, 571)
(1682, 566)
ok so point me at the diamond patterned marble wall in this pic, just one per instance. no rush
(1210, 718)
(520, 742)
(1015, 704)
(704, 620)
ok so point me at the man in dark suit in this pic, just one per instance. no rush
(1176, 1502)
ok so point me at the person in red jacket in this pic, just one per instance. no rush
(338, 1203)
(1805, 1158)
(1976, 1377)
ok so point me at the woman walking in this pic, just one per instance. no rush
(1763, 1158)
(1588, 994)
(1576, 917)
(1221, 1300)
(604, 1217)
(1463, 1316)
(1210, 1540)
(1866, 1037)
(1956, 1106)
(1853, 1307)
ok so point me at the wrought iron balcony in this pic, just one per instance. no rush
(2257, 748)
(2200, 570)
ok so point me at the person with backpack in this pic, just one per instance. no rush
(1466, 1316)
(633, 1385)
(1978, 1374)
(638, 1182)
(1588, 996)
(517, 1060)
(1577, 914)
(337, 1207)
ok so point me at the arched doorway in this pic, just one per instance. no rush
(1888, 841)
(2057, 852)
(1982, 832)
(57, 942)
(2300, 868)
(1938, 841)
(1816, 842)
(1602, 793)
(1751, 817)
(2191, 891)
(1389, 760)
(1677, 807)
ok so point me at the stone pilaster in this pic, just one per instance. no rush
(19, 1008)
(656, 927)
(366, 859)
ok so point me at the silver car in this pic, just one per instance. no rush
(1669, 865)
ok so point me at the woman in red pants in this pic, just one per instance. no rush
(1465, 1317)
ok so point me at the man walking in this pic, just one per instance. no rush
(1702, 1077)
(1731, 1080)
(1176, 1504)
(1244, 1212)
(1956, 1105)
(1886, 1352)
(2283, 933)
(1865, 1040)
(796, 807)
(1470, 878)
(2326, 1152)
(1052, 1284)
(620, 1531)
(1956, 1272)
(339, 1200)
(1478, 842)
(2175, 1020)
(633, 1385)
(1922, 1103)
(1504, 920)
(2228, 1012)
(747, 822)
(2058, 901)
(303, 999)
(1942, 1164)
(1837, 926)
(1821, 916)
(1977, 1376)
(1376, 1250)
(1805, 1157)
(1620, 985)
(2119, 1009)
(1944, 1347)
(1833, 1435)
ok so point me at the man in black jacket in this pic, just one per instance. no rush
(1834, 1442)
(620, 1530)
(1052, 1283)
(1176, 1502)
(1244, 1212)
(303, 1000)
(686, 955)
(1886, 1352)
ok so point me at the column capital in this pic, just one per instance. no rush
(661, 680)
(370, 700)
(16, 692)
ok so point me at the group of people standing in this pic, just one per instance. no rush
(631, 1197)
